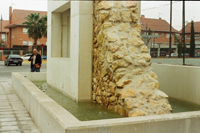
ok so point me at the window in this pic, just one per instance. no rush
(3, 38)
(25, 43)
(156, 34)
(12, 36)
(30, 43)
(61, 34)
(25, 31)
(167, 35)
(38, 42)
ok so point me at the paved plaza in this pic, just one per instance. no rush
(14, 118)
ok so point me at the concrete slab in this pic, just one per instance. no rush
(51, 118)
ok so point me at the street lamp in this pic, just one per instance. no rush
(170, 37)
(183, 32)
(1, 28)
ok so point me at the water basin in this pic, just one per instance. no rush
(86, 111)
(83, 111)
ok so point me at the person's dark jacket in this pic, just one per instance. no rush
(38, 60)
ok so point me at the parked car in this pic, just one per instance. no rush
(173, 55)
(13, 59)
(155, 54)
(44, 57)
(186, 55)
(26, 56)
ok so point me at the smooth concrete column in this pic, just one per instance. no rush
(85, 50)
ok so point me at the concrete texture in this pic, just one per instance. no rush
(52, 118)
(47, 114)
(73, 68)
(14, 118)
(178, 81)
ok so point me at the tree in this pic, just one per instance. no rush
(37, 27)
(149, 33)
(192, 40)
(178, 43)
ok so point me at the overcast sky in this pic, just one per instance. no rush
(151, 9)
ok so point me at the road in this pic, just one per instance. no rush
(177, 61)
(5, 71)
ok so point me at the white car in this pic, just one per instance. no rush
(26, 56)
(173, 55)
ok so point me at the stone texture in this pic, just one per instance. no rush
(123, 80)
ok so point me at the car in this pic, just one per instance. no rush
(155, 54)
(44, 57)
(26, 56)
(173, 55)
(13, 59)
(186, 55)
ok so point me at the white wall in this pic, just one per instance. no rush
(180, 82)
(73, 76)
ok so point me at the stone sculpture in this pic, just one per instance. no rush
(123, 79)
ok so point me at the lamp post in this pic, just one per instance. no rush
(1, 28)
(183, 32)
(170, 36)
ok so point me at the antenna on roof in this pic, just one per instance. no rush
(12, 3)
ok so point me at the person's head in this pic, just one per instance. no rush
(34, 51)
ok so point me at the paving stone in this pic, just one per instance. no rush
(12, 132)
(9, 123)
(26, 122)
(10, 128)
(29, 126)
(7, 116)
(6, 113)
(24, 118)
(7, 119)
(14, 118)
(23, 115)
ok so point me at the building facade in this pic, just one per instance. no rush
(161, 29)
(17, 31)
(3, 33)
(188, 34)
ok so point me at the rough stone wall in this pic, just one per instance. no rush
(123, 79)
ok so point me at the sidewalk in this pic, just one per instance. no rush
(14, 118)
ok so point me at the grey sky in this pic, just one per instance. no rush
(151, 9)
(162, 9)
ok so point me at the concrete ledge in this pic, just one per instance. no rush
(178, 81)
(52, 118)
(35, 76)
(46, 113)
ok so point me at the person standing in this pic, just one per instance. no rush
(36, 61)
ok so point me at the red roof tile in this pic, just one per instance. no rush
(21, 14)
(188, 27)
(155, 24)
